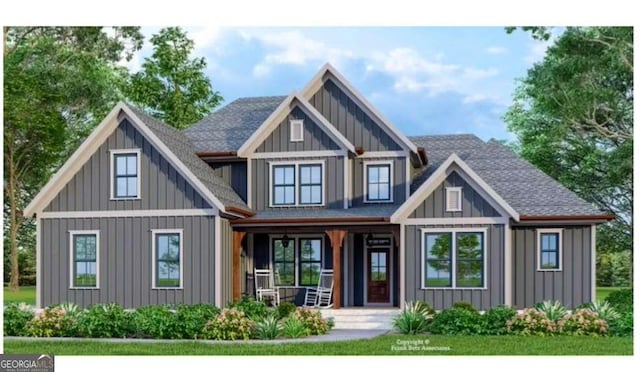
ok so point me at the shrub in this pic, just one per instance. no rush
(621, 300)
(16, 317)
(457, 321)
(191, 319)
(531, 322)
(285, 308)
(52, 322)
(583, 322)
(425, 307)
(495, 320)
(554, 311)
(293, 327)
(253, 309)
(312, 320)
(604, 310)
(464, 306)
(413, 319)
(622, 326)
(230, 324)
(268, 328)
(155, 321)
(105, 320)
(72, 309)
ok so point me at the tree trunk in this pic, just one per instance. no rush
(14, 221)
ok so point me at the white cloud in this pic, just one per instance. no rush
(204, 37)
(496, 50)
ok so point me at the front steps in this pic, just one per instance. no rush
(361, 318)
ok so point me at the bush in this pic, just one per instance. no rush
(457, 321)
(285, 308)
(583, 322)
(425, 307)
(622, 326)
(621, 300)
(464, 306)
(16, 317)
(604, 310)
(191, 319)
(268, 328)
(554, 311)
(293, 327)
(531, 322)
(613, 269)
(54, 321)
(495, 320)
(105, 321)
(156, 321)
(312, 320)
(230, 324)
(413, 319)
(253, 309)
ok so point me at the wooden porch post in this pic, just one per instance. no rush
(336, 237)
(237, 272)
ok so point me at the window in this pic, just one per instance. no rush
(453, 259)
(454, 199)
(311, 184)
(378, 182)
(297, 184)
(167, 258)
(297, 130)
(125, 167)
(84, 259)
(284, 184)
(549, 249)
(297, 263)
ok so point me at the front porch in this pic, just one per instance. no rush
(364, 260)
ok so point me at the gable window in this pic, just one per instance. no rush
(296, 184)
(378, 182)
(454, 199)
(84, 258)
(297, 262)
(167, 258)
(125, 170)
(549, 249)
(453, 258)
(297, 130)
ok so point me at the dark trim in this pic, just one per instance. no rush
(606, 217)
(359, 150)
(294, 221)
(216, 154)
(236, 210)
(423, 156)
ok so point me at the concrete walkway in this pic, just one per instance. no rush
(333, 335)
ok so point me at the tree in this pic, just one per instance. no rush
(172, 86)
(573, 116)
(58, 81)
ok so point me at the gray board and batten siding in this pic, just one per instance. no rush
(226, 262)
(125, 261)
(571, 286)
(234, 173)
(162, 187)
(399, 180)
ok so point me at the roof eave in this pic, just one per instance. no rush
(306, 220)
(594, 217)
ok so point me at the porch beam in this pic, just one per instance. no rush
(336, 237)
(237, 272)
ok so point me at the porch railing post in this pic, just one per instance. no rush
(237, 272)
(336, 237)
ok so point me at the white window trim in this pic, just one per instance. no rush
(73, 233)
(155, 232)
(448, 191)
(365, 179)
(112, 154)
(483, 230)
(295, 238)
(539, 232)
(292, 124)
(296, 196)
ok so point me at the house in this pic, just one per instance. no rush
(145, 214)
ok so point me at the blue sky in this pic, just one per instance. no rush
(426, 80)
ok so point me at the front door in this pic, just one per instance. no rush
(378, 275)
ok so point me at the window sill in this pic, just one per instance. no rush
(90, 288)
(166, 288)
(118, 199)
(549, 270)
(457, 288)
(378, 201)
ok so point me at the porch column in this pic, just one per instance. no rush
(336, 237)
(237, 272)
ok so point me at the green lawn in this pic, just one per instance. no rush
(26, 294)
(383, 345)
(603, 292)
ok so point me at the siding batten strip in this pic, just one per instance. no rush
(217, 247)
(593, 263)
(508, 266)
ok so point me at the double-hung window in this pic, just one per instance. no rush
(125, 168)
(549, 249)
(284, 261)
(167, 258)
(297, 184)
(84, 258)
(310, 261)
(298, 261)
(453, 258)
(310, 184)
(378, 183)
(284, 184)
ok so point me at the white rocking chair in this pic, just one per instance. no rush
(321, 296)
(265, 286)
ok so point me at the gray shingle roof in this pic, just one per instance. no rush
(228, 128)
(355, 212)
(524, 187)
(183, 150)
